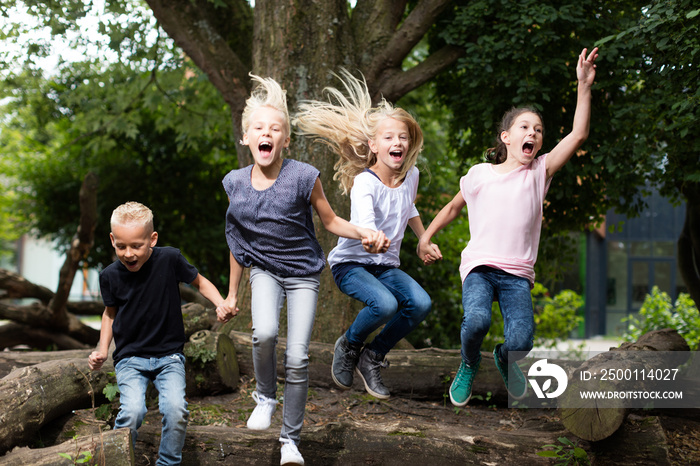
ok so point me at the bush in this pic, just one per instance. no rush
(658, 312)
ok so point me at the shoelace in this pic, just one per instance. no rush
(261, 399)
(348, 362)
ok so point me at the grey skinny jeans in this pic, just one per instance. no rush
(268, 292)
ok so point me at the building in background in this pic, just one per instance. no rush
(626, 259)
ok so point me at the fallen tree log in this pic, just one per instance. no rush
(418, 374)
(16, 334)
(594, 419)
(212, 365)
(111, 448)
(11, 360)
(196, 317)
(32, 396)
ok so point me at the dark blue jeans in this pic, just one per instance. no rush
(479, 289)
(391, 297)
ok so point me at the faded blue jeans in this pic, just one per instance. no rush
(479, 289)
(391, 297)
(168, 376)
(268, 292)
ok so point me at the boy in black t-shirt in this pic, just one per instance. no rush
(143, 315)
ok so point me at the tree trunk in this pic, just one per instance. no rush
(212, 365)
(109, 448)
(597, 423)
(374, 41)
(32, 396)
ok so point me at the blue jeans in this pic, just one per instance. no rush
(391, 297)
(479, 289)
(268, 292)
(168, 376)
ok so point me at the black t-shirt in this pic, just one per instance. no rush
(148, 322)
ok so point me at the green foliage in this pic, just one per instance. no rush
(199, 353)
(150, 125)
(111, 391)
(658, 312)
(568, 453)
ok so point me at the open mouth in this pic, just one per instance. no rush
(528, 148)
(132, 263)
(396, 154)
(265, 148)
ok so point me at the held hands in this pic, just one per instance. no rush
(585, 69)
(374, 241)
(428, 251)
(95, 360)
(227, 310)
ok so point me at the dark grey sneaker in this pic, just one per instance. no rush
(368, 369)
(345, 356)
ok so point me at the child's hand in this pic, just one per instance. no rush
(585, 69)
(95, 360)
(428, 251)
(374, 241)
(227, 310)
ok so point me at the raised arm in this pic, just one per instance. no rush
(372, 241)
(585, 73)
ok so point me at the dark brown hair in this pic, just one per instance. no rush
(499, 153)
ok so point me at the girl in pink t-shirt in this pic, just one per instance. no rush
(504, 201)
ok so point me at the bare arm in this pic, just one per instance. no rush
(100, 355)
(428, 251)
(585, 72)
(228, 308)
(373, 241)
(416, 225)
(207, 289)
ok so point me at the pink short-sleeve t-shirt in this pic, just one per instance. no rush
(505, 217)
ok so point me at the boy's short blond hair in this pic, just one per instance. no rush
(132, 213)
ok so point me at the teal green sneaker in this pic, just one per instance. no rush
(461, 388)
(517, 386)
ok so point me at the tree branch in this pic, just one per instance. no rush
(222, 51)
(394, 84)
(411, 31)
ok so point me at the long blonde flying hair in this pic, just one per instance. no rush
(347, 123)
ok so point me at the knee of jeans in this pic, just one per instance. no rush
(476, 323)
(175, 410)
(132, 414)
(264, 338)
(296, 368)
(384, 307)
(423, 304)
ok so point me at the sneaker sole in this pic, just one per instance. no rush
(369, 390)
(340, 385)
(458, 404)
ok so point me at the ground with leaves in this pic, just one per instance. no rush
(492, 434)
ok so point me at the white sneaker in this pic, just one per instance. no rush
(290, 454)
(261, 416)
